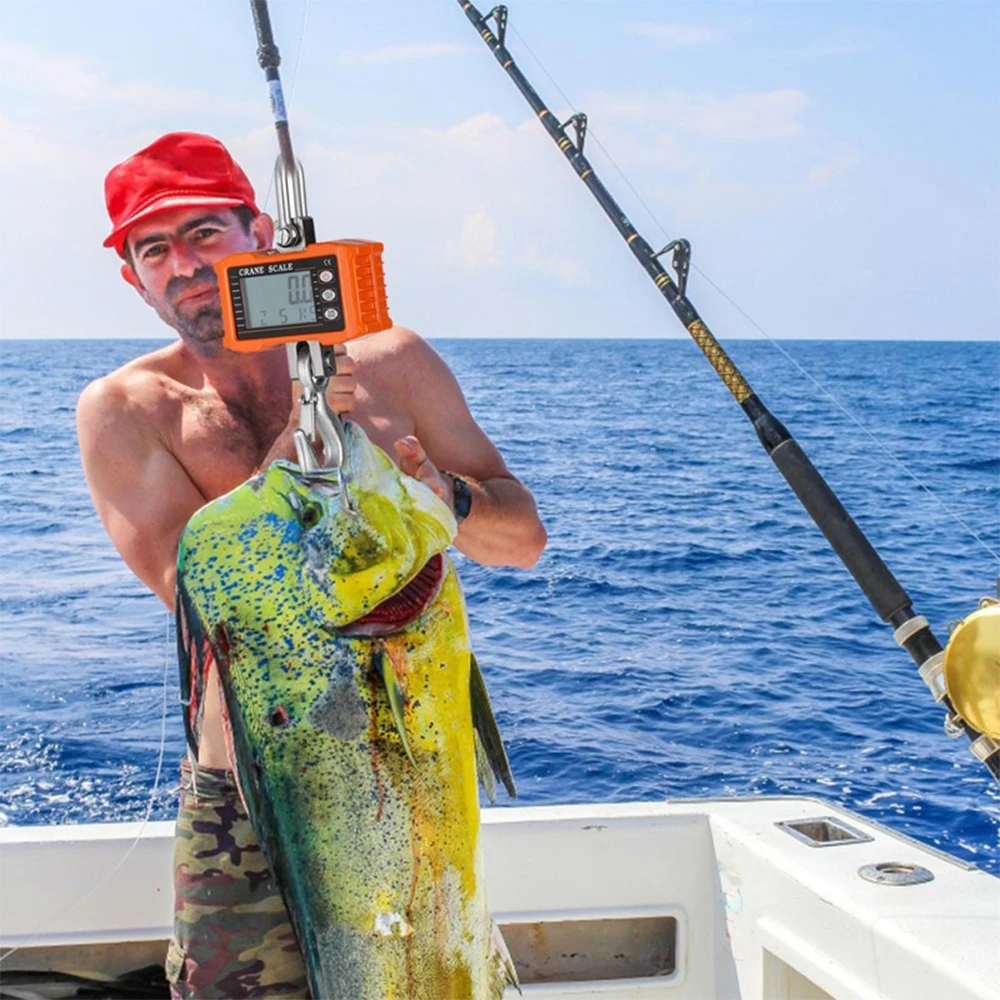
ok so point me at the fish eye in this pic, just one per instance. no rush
(310, 515)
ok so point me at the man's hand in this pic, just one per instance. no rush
(341, 388)
(414, 462)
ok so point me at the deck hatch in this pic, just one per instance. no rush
(823, 831)
(579, 951)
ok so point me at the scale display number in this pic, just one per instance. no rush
(279, 299)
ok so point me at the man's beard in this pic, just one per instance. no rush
(204, 326)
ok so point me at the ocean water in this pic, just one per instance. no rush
(687, 632)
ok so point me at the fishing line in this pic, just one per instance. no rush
(591, 134)
(826, 392)
(291, 92)
(37, 934)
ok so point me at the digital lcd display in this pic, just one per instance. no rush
(279, 299)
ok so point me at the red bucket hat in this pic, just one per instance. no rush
(180, 169)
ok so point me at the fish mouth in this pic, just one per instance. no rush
(405, 606)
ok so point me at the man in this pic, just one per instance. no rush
(182, 425)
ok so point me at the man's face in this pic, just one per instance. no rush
(172, 254)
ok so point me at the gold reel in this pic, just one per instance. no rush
(972, 668)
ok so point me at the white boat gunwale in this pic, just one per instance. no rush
(756, 912)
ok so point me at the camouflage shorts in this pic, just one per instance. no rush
(232, 937)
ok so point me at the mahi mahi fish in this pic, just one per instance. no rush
(357, 719)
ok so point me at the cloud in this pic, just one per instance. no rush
(674, 36)
(768, 114)
(568, 272)
(401, 53)
(821, 174)
(26, 151)
(818, 51)
(72, 80)
(476, 247)
(478, 134)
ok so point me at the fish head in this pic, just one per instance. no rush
(289, 532)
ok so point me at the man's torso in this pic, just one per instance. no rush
(221, 443)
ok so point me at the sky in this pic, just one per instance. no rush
(836, 166)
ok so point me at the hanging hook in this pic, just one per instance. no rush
(316, 419)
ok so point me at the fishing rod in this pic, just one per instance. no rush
(308, 295)
(965, 678)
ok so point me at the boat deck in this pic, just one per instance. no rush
(685, 899)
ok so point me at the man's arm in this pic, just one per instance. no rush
(503, 528)
(142, 493)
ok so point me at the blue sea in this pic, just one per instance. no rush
(686, 633)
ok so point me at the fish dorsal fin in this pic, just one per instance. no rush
(488, 735)
(231, 754)
(193, 660)
(195, 657)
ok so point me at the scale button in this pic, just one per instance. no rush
(326, 276)
(329, 294)
(330, 314)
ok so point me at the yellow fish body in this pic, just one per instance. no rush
(358, 720)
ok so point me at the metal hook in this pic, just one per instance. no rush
(331, 433)
(316, 418)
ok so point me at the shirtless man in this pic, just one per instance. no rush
(182, 425)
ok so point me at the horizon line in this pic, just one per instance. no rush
(683, 336)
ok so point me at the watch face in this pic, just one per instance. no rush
(463, 497)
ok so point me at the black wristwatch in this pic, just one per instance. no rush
(463, 496)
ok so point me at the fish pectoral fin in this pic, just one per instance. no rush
(483, 770)
(397, 699)
(486, 729)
